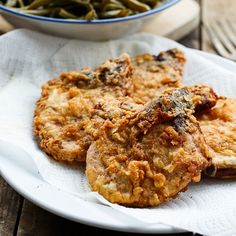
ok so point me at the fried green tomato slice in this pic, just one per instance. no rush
(219, 128)
(148, 158)
(74, 106)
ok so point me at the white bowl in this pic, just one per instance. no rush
(102, 29)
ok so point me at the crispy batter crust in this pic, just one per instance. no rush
(148, 157)
(219, 128)
(154, 74)
(72, 107)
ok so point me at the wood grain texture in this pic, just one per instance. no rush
(4, 26)
(192, 40)
(9, 208)
(38, 222)
(215, 9)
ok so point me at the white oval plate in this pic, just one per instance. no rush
(28, 183)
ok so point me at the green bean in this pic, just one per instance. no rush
(91, 15)
(114, 13)
(67, 15)
(11, 3)
(108, 5)
(38, 3)
(82, 9)
(39, 12)
(111, 6)
(136, 5)
(151, 3)
(125, 12)
(21, 3)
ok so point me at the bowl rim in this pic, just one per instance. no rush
(165, 5)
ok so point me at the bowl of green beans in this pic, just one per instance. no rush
(83, 19)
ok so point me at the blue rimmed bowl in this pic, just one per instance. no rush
(102, 29)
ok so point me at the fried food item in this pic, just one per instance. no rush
(203, 97)
(150, 156)
(219, 128)
(73, 107)
(154, 74)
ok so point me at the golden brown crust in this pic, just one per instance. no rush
(73, 107)
(219, 128)
(148, 157)
(154, 74)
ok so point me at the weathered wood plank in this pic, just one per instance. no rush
(4, 26)
(215, 9)
(10, 203)
(38, 222)
(192, 40)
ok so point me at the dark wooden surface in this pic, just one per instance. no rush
(20, 217)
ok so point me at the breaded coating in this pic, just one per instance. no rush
(148, 157)
(203, 97)
(73, 107)
(219, 128)
(154, 74)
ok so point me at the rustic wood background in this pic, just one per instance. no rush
(20, 217)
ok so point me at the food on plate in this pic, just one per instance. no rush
(74, 106)
(154, 74)
(80, 9)
(219, 128)
(148, 157)
(143, 134)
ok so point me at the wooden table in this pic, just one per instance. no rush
(20, 217)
